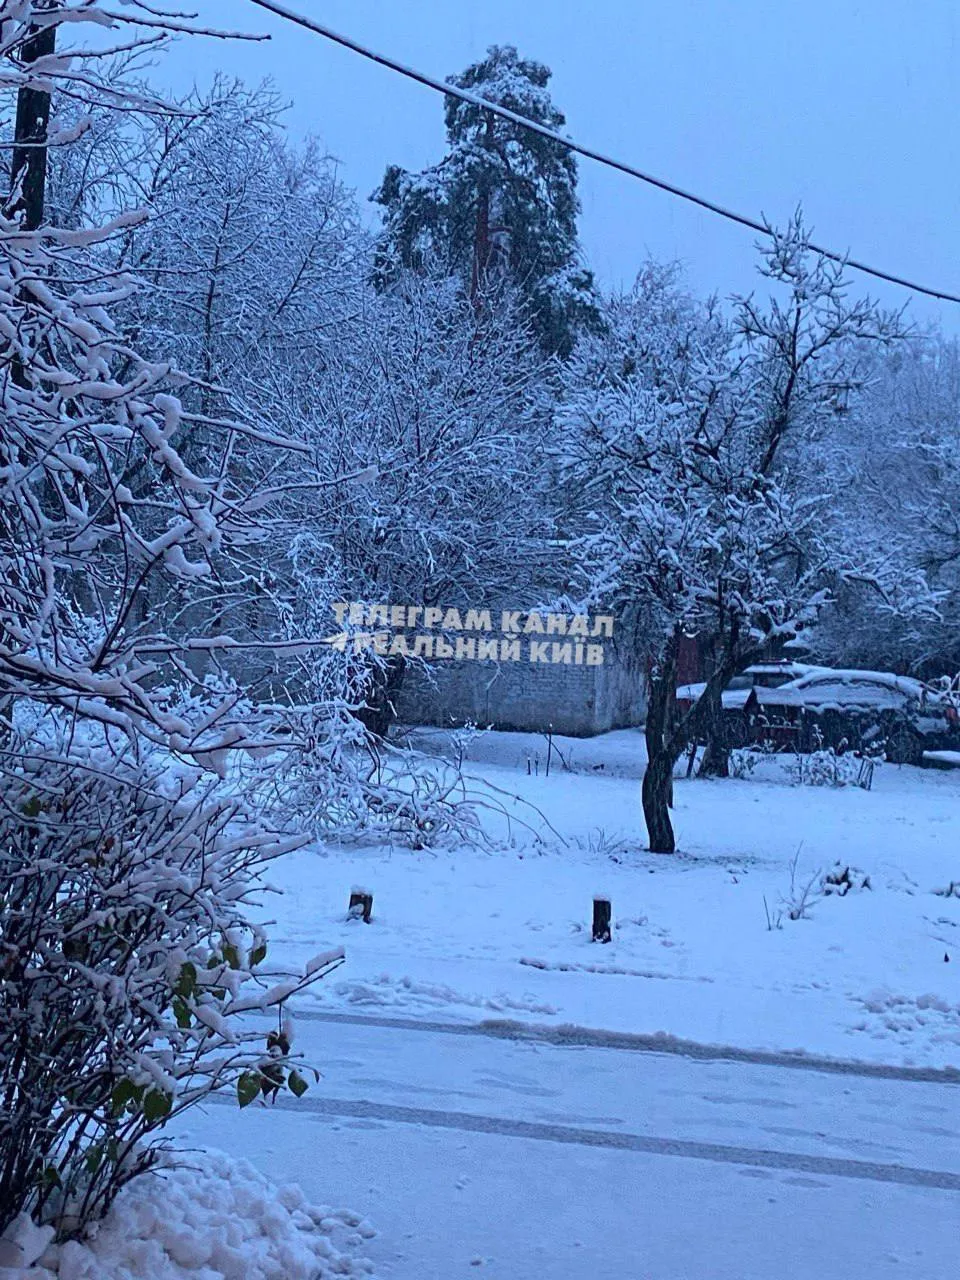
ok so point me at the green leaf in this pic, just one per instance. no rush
(298, 1086)
(181, 1011)
(32, 807)
(231, 955)
(124, 1092)
(93, 1159)
(186, 983)
(51, 1176)
(74, 948)
(248, 1087)
(156, 1105)
(258, 954)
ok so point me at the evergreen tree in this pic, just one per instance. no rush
(500, 209)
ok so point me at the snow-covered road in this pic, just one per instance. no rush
(523, 1158)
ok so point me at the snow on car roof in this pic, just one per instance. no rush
(826, 687)
(788, 665)
(785, 667)
(857, 682)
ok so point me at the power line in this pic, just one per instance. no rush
(453, 91)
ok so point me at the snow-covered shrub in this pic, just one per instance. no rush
(843, 880)
(832, 766)
(600, 843)
(802, 894)
(341, 782)
(127, 962)
(825, 768)
(141, 512)
(743, 761)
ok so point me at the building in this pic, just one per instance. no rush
(564, 697)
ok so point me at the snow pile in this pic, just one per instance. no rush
(909, 1019)
(201, 1216)
(944, 759)
(386, 990)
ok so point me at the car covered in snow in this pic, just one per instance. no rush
(775, 704)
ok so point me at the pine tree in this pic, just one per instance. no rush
(500, 209)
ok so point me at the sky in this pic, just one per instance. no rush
(847, 107)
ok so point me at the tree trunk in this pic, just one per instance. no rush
(380, 710)
(668, 734)
(28, 168)
(481, 234)
(28, 180)
(657, 793)
(716, 758)
(657, 789)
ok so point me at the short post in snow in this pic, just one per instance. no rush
(361, 905)
(601, 919)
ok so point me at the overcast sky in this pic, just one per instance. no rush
(850, 107)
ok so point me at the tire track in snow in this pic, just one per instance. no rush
(569, 1036)
(718, 1153)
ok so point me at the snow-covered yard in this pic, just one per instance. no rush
(475, 1029)
(703, 944)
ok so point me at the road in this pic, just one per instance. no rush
(483, 1155)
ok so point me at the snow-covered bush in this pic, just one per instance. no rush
(600, 843)
(843, 879)
(744, 760)
(127, 962)
(833, 766)
(134, 510)
(342, 783)
(825, 768)
(802, 893)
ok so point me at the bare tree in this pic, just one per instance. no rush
(698, 522)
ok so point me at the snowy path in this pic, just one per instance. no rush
(567, 1035)
(527, 1158)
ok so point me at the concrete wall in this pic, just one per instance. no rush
(568, 699)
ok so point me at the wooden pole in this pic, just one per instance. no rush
(602, 910)
(361, 905)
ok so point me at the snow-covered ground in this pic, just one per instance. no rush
(721, 1093)
(478, 1156)
(703, 944)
